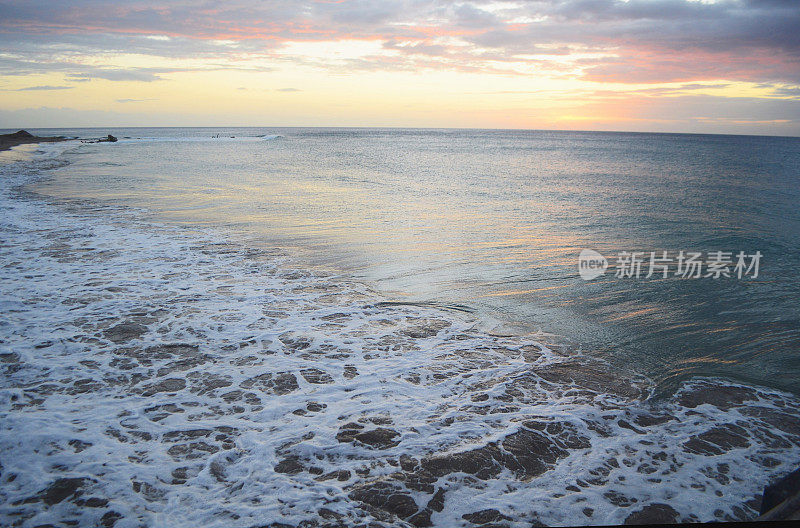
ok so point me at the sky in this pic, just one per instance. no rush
(726, 66)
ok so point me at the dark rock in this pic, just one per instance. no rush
(21, 137)
(564, 434)
(79, 445)
(237, 395)
(206, 383)
(167, 385)
(290, 465)
(529, 453)
(348, 432)
(217, 471)
(92, 502)
(316, 376)
(285, 383)
(718, 440)
(618, 499)
(341, 475)
(776, 493)
(61, 489)
(83, 386)
(654, 514)
(421, 519)
(627, 425)
(328, 514)
(481, 462)
(295, 342)
(647, 420)
(408, 463)
(183, 364)
(417, 481)
(387, 497)
(437, 501)
(279, 383)
(380, 438)
(148, 491)
(9, 357)
(108, 139)
(315, 407)
(180, 475)
(124, 332)
(594, 377)
(719, 396)
(191, 450)
(786, 422)
(109, 519)
(485, 517)
(190, 434)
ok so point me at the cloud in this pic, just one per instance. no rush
(134, 100)
(67, 117)
(787, 91)
(634, 41)
(289, 90)
(43, 88)
(116, 75)
(687, 113)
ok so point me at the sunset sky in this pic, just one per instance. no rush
(728, 66)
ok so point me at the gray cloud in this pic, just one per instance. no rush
(116, 75)
(43, 88)
(787, 91)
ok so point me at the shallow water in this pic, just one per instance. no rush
(493, 221)
(171, 375)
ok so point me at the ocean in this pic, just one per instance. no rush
(250, 325)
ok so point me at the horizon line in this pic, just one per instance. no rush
(392, 127)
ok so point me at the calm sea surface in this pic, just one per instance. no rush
(493, 222)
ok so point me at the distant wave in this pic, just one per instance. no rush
(200, 139)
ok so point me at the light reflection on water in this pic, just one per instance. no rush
(494, 220)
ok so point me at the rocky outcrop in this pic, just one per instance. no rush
(782, 499)
(108, 139)
(21, 137)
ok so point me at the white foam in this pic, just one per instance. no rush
(198, 139)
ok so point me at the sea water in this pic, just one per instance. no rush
(253, 327)
(494, 220)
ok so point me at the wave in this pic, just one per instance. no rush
(199, 139)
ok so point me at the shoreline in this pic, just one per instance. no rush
(9, 141)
